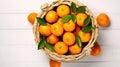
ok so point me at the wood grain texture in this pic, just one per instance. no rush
(26, 6)
(30, 53)
(20, 36)
(19, 21)
(18, 48)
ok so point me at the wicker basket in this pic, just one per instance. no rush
(66, 58)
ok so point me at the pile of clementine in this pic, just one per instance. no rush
(65, 29)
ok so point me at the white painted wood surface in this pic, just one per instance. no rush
(17, 46)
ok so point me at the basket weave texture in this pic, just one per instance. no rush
(66, 58)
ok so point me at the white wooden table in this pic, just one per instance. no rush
(18, 48)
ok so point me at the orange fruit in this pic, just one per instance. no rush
(75, 49)
(69, 38)
(63, 10)
(31, 17)
(103, 20)
(77, 29)
(69, 26)
(54, 63)
(57, 29)
(44, 30)
(81, 18)
(59, 21)
(85, 37)
(51, 16)
(61, 48)
(96, 49)
(52, 39)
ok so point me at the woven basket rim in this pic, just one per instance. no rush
(66, 58)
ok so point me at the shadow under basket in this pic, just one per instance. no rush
(66, 58)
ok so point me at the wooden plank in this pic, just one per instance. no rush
(94, 64)
(30, 53)
(13, 37)
(21, 42)
(22, 53)
(46, 64)
(21, 6)
(16, 37)
(28, 56)
(109, 37)
(22, 56)
(26, 6)
(103, 5)
(19, 21)
(14, 21)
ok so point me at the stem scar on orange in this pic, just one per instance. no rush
(96, 49)
(31, 17)
(61, 48)
(51, 16)
(52, 39)
(57, 29)
(103, 20)
(85, 37)
(69, 26)
(63, 10)
(54, 63)
(69, 38)
(81, 18)
(44, 30)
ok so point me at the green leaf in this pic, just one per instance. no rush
(87, 29)
(81, 9)
(50, 47)
(41, 44)
(87, 21)
(66, 19)
(73, 7)
(78, 41)
(41, 21)
(73, 17)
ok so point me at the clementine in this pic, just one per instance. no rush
(63, 10)
(81, 18)
(44, 30)
(103, 20)
(59, 21)
(52, 39)
(51, 16)
(69, 38)
(54, 63)
(85, 37)
(96, 49)
(31, 17)
(57, 29)
(69, 26)
(75, 49)
(61, 48)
